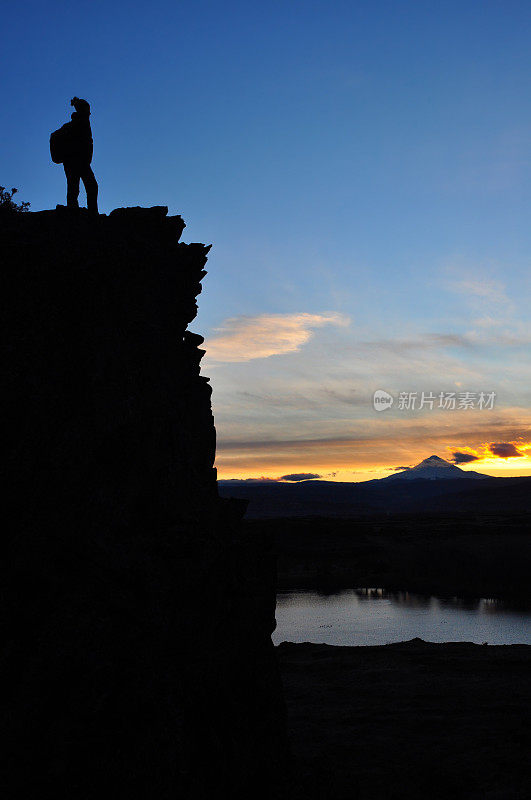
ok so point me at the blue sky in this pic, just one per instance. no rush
(363, 172)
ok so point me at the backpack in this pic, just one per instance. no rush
(60, 143)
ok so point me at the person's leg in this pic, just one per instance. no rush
(72, 185)
(91, 187)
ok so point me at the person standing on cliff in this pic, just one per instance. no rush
(72, 146)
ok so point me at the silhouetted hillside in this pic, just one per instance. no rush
(329, 498)
(460, 555)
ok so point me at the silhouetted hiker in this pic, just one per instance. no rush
(71, 146)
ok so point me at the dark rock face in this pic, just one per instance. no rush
(138, 659)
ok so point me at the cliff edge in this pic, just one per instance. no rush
(138, 659)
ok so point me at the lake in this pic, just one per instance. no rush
(375, 616)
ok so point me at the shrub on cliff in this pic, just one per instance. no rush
(7, 204)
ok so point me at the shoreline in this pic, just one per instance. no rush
(439, 593)
(415, 642)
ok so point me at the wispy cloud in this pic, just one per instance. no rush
(494, 316)
(488, 289)
(247, 338)
(370, 441)
(313, 411)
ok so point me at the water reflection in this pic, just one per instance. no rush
(459, 602)
(375, 615)
(491, 605)
(396, 597)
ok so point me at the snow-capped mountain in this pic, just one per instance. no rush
(433, 469)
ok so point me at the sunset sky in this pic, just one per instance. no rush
(362, 170)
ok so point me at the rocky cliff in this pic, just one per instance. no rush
(137, 659)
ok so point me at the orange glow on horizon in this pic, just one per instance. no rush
(279, 459)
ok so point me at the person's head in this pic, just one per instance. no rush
(81, 106)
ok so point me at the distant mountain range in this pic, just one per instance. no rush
(433, 469)
(433, 486)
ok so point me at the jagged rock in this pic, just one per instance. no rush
(138, 659)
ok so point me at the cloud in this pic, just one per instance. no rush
(294, 476)
(263, 479)
(256, 447)
(463, 458)
(486, 289)
(300, 476)
(504, 450)
(398, 469)
(246, 338)
(314, 411)
(426, 341)
(494, 318)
